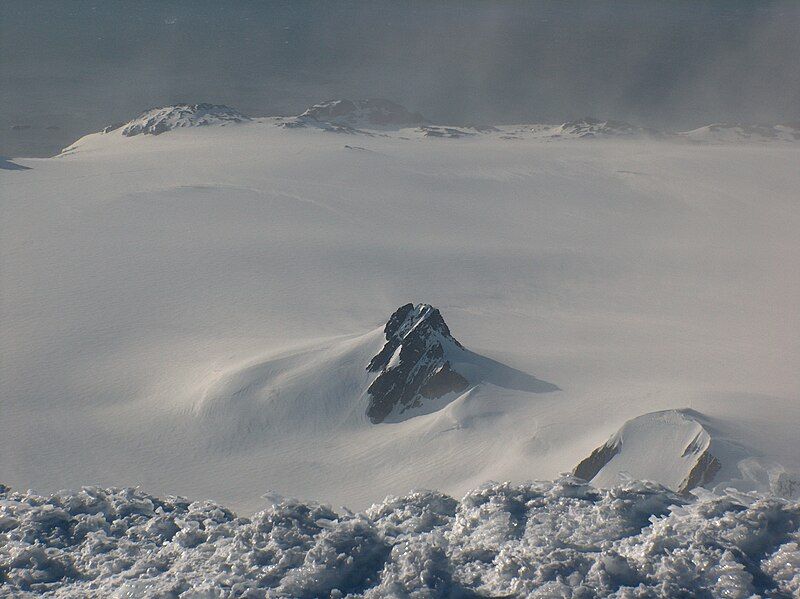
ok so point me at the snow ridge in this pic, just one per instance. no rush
(546, 539)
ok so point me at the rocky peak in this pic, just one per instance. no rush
(415, 363)
(160, 120)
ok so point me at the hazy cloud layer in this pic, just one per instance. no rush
(79, 65)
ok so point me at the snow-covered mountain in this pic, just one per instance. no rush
(386, 118)
(591, 127)
(155, 121)
(671, 447)
(374, 113)
(196, 311)
(683, 449)
(735, 132)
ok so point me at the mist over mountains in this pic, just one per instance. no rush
(673, 65)
(513, 283)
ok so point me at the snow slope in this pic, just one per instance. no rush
(194, 311)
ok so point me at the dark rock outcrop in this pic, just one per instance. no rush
(589, 467)
(703, 472)
(415, 363)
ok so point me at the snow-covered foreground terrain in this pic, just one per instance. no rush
(194, 311)
(561, 539)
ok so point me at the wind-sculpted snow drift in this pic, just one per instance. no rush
(559, 539)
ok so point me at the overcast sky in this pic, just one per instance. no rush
(78, 65)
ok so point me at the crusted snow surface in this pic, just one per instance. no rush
(553, 539)
(160, 120)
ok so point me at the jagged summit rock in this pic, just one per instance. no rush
(415, 363)
(672, 447)
(422, 362)
(160, 120)
(369, 114)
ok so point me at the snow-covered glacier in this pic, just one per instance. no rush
(195, 311)
(545, 539)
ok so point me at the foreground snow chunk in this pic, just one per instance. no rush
(562, 539)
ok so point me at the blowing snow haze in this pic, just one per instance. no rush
(345, 252)
(69, 68)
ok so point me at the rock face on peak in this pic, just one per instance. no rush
(672, 447)
(373, 113)
(160, 120)
(415, 364)
(591, 127)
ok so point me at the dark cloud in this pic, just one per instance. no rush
(79, 65)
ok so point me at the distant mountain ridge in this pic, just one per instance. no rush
(737, 132)
(378, 116)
